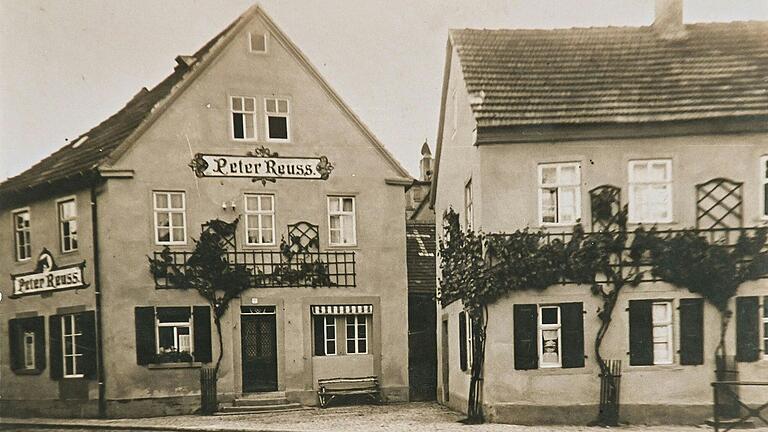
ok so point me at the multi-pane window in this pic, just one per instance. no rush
(661, 314)
(29, 350)
(257, 42)
(22, 235)
(329, 332)
(260, 219)
(357, 334)
(278, 124)
(68, 225)
(243, 117)
(71, 334)
(550, 336)
(650, 191)
(170, 218)
(559, 193)
(341, 220)
(174, 330)
(469, 340)
(764, 185)
(468, 212)
(765, 327)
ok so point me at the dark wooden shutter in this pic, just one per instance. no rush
(16, 344)
(145, 334)
(202, 320)
(747, 329)
(640, 333)
(691, 331)
(572, 315)
(319, 335)
(463, 340)
(87, 343)
(37, 325)
(526, 346)
(54, 328)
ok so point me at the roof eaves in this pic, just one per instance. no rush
(441, 119)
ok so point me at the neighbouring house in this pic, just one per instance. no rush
(671, 119)
(244, 129)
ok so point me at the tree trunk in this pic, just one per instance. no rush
(606, 316)
(474, 401)
(217, 321)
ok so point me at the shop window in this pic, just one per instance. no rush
(650, 191)
(764, 186)
(259, 219)
(278, 122)
(468, 212)
(559, 193)
(465, 341)
(68, 225)
(341, 221)
(173, 334)
(22, 235)
(329, 321)
(548, 335)
(257, 42)
(170, 218)
(73, 345)
(243, 118)
(27, 342)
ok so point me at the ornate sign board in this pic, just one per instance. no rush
(261, 165)
(48, 277)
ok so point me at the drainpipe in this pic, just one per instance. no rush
(97, 291)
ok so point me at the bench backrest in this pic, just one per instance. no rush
(348, 383)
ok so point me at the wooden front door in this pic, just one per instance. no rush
(259, 346)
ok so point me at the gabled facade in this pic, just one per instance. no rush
(534, 123)
(138, 184)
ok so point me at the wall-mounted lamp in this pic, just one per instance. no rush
(231, 205)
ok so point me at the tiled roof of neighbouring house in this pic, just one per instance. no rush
(420, 252)
(614, 74)
(83, 154)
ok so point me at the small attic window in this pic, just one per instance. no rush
(257, 42)
(80, 141)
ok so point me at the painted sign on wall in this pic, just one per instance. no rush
(262, 165)
(48, 277)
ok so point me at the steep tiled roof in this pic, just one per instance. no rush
(614, 74)
(420, 250)
(82, 155)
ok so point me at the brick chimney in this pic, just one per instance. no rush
(668, 21)
(426, 163)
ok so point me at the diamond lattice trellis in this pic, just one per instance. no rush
(719, 204)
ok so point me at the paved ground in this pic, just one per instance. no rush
(416, 417)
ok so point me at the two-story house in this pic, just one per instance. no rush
(672, 119)
(244, 129)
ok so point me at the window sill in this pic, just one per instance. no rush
(558, 371)
(28, 372)
(657, 367)
(181, 365)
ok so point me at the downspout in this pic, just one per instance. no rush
(97, 292)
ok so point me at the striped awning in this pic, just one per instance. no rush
(342, 310)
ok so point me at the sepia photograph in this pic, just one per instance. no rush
(427, 216)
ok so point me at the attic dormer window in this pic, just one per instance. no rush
(257, 42)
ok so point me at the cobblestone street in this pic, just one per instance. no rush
(404, 417)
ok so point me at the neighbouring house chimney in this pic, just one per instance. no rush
(426, 163)
(668, 21)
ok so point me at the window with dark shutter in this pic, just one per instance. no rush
(747, 329)
(88, 344)
(145, 334)
(319, 330)
(525, 329)
(201, 316)
(572, 316)
(38, 328)
(463, 340)
(26, 337)
(691, 331)
(640, 333)
(54, 326)
(16, 344)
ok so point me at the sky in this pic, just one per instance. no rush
(66, 65)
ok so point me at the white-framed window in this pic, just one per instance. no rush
(357, 334)
(469, 216)
(170, 217)
(277, 113)
(341, 221)
(67, 209)
(259, 219)
(329, 326)
(174, 330)
(243, 118)
(650, 191)
(29, 350)
(550, 336)
(559, 193)
(661, 315)
(257, 42)
(71, 334)
(470, 340)
(765, 327)
(22, 234)
(764, 187)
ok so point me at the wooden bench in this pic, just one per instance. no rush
(330, 388)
